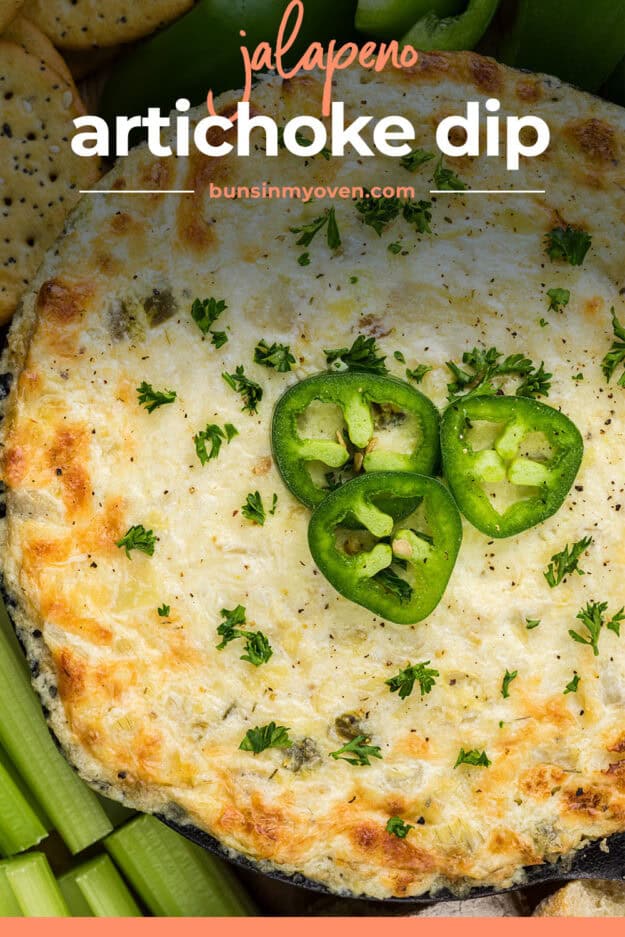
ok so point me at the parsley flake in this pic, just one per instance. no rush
(396, 827)
(531, 623)
(415, 159)
(446, 180)
(482, 367)
(304, 259)
(473, 757)
(507, 680)
(569, 244)
(274, 356)
(378, 213)
(394, 248)
(566, 562)
(262, 737)
(257, 647)
(558, 299)
(398, 356)
(152, 399)
(137, 538)
(254, 509)
(205, 313)
(357, 752)
(215, 435)
(309, 231)
(364, 355)
(417, 374)
(418, 215)
(404, 681)
(573, 685)
(163, 610)
(251, 392)
(616, 356)
(592, 617)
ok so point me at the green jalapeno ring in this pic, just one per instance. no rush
(355, 394)
(366, 577)
(467, 470)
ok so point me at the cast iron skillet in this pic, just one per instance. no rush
(592, 861)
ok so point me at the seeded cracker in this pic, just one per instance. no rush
(8, 9)
(24, 32)
(40, 177)
(83, 24)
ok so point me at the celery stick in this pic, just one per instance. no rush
(19, 782)
(174, 877)
(11, 645)
(101, 888)
(8, 902)
(34, 886)
(71, 806)
(19, 827)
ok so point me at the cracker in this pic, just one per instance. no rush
(83, 24)
(8, 9)
(41, 177)
(24, 32)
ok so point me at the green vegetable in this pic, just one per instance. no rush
(138, 538)
(251, 392)
(446, 180)
(573, 685)
(96, 889)
(214, 435)
(357, 752)
(309, 231)
(257, 740)
(426, 557)
(274, 356)
(581, 42)
(418, 215)
(507, 680)
(8, 902)
(463, 31)
(485, 366)
(173, 877)
(417, 374)
(378, 213)
(558, 299)
(531, 623)
(593, 619)
(201, 51)
(152, 399)
(34, 886)
(257, 648)
(568, 244)
(397, 827)
(415, 159)
(20, 827)
(163, 610)
(546, 477)
(205, 313)
(70, 805)
(370, 405)
(566, 562)
(389, 19)
(254, 510)
(363, 355)
(474, 757)
(405, 680)
(616, 356)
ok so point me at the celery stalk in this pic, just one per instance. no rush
(10, 644)
(71, 806)
(19, 826)
(101, 888)
(35, 806)
(8, 902)
(174, 877)
(34, 886)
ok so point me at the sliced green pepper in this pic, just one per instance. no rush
(389, 19)
(455, 32)
(491, 444)
(350, 436)
(397, 569)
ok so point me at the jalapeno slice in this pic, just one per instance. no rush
(397, 569)
(356, 423)
(509, 461)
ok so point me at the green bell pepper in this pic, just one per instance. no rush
(389, 19)
(456, 32)
(509, 441)
(580, 42)
(370, 408)
(397, 569)
(201, 51)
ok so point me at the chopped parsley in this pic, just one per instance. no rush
(417, 374)
(205, 313)
(483, 366)
(394, 248)
(152, 399)
(404, 681)
(616, 356)
(263, 737)
(304, 141)
(592, 617)
(257, 647)
(274, 356)
(309, 231)
(214, 435)
(398, 356)
(507, 680)
(558, 299)
(473, 757)
(566, 562)
(304, 259)
(251, 392)
(364, 355)
(163, 610)
(415, 159)
(397, 827)
(446, 180)
(137, 538)
(394, 584)
(569, 244)
(531, 623)
(254, 509)
(573, 685)
(357, 752)
(418, 215)
(378, 213)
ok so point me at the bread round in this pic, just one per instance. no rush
(145, 705)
